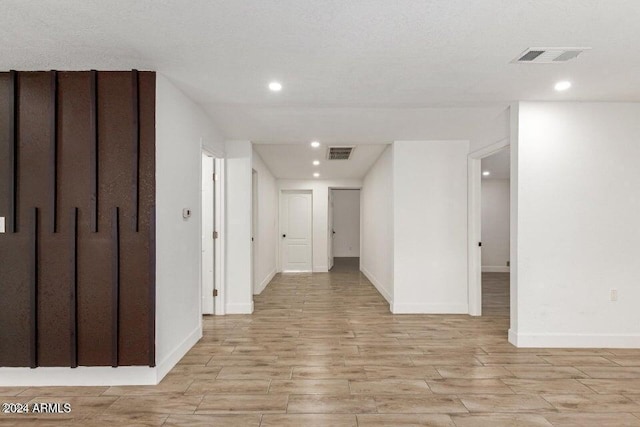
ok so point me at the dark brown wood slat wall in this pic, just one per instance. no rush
(69, 163)
(93, 252)
(14, 249)
(135, 307)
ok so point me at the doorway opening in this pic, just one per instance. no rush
(490, 230)
(344, 229)
(495, 233)
(296, 231)
(212, 212)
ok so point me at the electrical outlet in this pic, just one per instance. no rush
(2, 224)
(614, 295)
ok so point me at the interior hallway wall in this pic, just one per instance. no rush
(495, 225)
(492, 130)
(266, 244)
(320, 191)
(346, 223)
(376, 222)
(181, 128)
(238, 183)
(575, 170)
(430, 226)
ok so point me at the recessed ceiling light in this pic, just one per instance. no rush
(486, 173)
(316, 162)
(275, 86)
(315, 175)
(563, 85)
(315, 144)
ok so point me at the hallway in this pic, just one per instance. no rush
(495, 294)
(323, 349)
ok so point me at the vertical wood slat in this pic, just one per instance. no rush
(115, 288)
(33, 297)
(13, 153)
(94, 150)
(152, 288)
(136, 148)
(73, 294)
(53, 153)
(70, 138)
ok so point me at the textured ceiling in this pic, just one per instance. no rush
(295, 161)
(361, 59)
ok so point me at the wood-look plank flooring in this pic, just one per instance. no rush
(324, 350)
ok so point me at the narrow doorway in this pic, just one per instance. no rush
(495, 233)
(296, 230)
(208, 233)
(344, 229)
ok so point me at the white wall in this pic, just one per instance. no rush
(180, 127)
(346, 223)
(430, 226)
(266, 244)
(239, 289)
(495, 225)
(491, 131)
(376, 250)
(320, 191)
(577, 210)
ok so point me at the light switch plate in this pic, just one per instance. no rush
(2, 225)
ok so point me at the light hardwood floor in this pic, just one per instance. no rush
(324, 350)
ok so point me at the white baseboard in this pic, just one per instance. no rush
(167, 364)
(495, 269)
(512, 337)
(400, 308)
(80, 376)
(264, 283)
(377, 285)
(530, 340)
(321, 269)
(98, 375)
(242, 308)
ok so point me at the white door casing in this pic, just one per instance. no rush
(254, 230)
(208, 250)
(331, 232)
(474, 223)
(296, 229)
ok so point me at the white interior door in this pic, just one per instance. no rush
(296, 230)
(208, 251)
(330, 229)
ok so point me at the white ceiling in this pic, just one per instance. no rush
(370, 69)
(498, 165)
(295, 161)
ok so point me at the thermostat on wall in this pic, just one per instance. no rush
(186, 213)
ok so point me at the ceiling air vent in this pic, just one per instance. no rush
(339, 153)
(549, 55)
